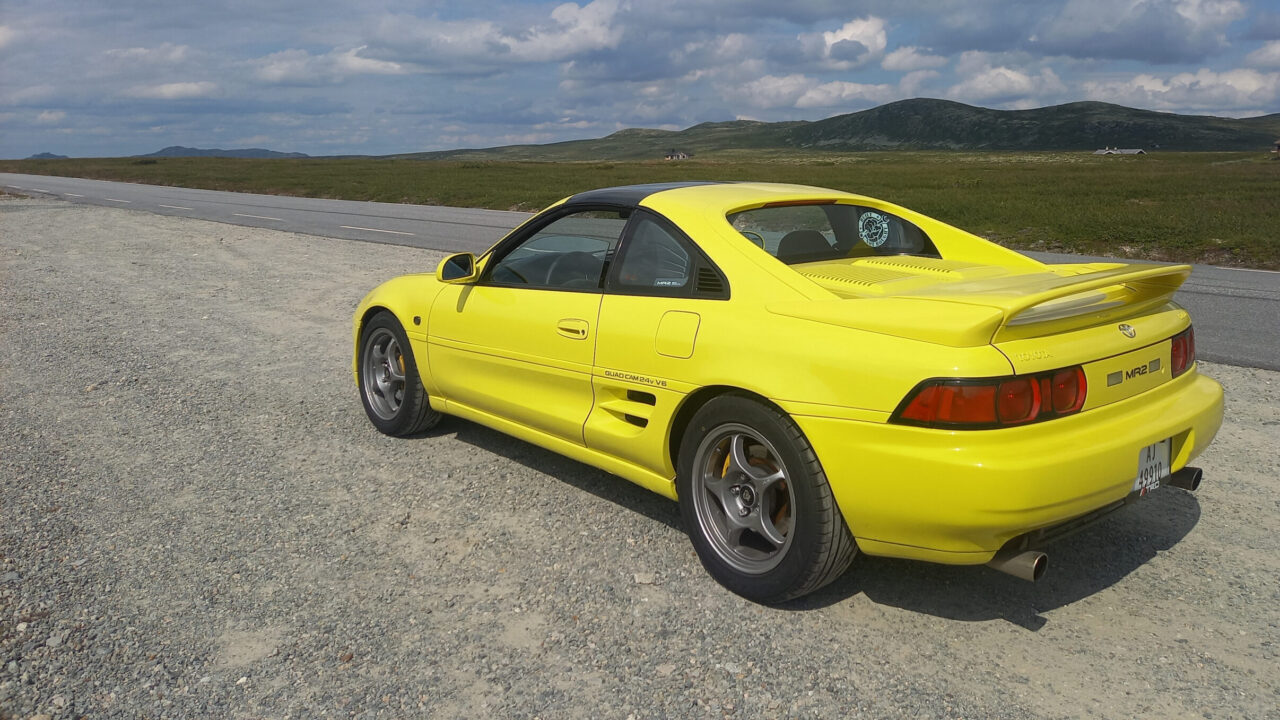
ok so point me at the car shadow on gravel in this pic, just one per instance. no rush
(1080, 565)
(584, 477)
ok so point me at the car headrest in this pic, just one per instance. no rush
(801, 244)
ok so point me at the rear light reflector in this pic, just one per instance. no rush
(974, 404)
(1182, 353)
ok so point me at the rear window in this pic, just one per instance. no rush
(811, 233)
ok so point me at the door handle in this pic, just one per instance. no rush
(573, 328)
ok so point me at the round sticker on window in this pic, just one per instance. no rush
(873, 228)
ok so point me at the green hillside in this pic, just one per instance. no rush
(919, 124)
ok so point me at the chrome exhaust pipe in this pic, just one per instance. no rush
(1188, 478)
(1027, 565)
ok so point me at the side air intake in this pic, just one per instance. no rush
(709, 283)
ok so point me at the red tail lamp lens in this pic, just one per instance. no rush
(993, 402)
(1018, 401)
(1182, 354)
(1068, 388)
(953, 403)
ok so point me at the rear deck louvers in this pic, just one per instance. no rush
(709, 283)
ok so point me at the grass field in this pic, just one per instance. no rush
(1215, 208)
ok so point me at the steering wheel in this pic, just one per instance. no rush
(576, 265)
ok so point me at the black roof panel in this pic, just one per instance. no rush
(629, 195)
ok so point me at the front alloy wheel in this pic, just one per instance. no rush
(390, 386)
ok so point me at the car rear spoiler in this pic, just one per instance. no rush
(1091, 298)
(983, 311)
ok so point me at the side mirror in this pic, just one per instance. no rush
(458, 269)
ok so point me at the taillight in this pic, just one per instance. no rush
(993, 402)
(1068, 388)
(1017, 401)
(1182, 353)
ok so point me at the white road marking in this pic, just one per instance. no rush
(39, 190)
(258, 217)
(115, 200)
(175, 207)
(72, 195)
(389, 232)
(1253, 270)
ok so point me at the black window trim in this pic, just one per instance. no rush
(698, 258)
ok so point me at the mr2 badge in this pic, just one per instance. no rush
(1120, 376)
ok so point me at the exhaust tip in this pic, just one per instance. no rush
(1188, 478)
(1029, 565)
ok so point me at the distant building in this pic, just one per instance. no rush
(1276, 149)
(676, 155)
(1120, 151)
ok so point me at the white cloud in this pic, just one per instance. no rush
(163, 54)
(772, 91)
(805, 92)
(913, 83)
(1204, 91)
(1267, 56)
(299, 67)
(984, 81)
(1152, 30)
(6, 35)
(174, 91)
(907, 59)
(570, 30)
(840, 93)
(50, 117)
(856, 43)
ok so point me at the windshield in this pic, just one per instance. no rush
(816, 232)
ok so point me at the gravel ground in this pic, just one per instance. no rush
(199, 521)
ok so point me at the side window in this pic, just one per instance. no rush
(570, 253)
(653, 261)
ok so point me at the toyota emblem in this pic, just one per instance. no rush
(1128, 330)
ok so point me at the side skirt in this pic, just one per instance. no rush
(644, 478)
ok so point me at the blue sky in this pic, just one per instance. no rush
(331, 77)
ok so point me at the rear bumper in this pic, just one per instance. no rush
(958, 497)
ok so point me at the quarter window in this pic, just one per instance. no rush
(653, 260)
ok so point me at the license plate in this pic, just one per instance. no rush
(1153, 466)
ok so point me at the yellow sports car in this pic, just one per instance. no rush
(810, 373)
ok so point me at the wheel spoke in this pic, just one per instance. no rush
(762, 523)
(719, 488)
(762, 483)
(394, 360)
(738, 462)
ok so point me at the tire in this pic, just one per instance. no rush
(390, 386)
(756, 503)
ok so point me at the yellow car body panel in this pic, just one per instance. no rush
(607, 377)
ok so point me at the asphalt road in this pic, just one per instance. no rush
(1236, 312)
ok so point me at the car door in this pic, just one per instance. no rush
(519, 343)
(660, 293)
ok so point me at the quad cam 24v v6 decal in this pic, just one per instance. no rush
(615, 375)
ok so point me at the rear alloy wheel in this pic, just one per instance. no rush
(756, 502)
(390, 387)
